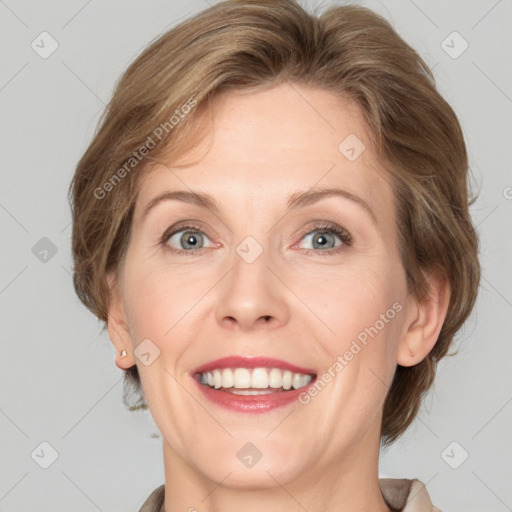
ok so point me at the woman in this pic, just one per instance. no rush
(272, 221)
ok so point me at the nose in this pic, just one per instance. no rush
(252, 297)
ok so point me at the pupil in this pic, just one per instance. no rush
(322, 240)
(190, 240)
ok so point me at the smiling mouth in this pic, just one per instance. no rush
(253, 381)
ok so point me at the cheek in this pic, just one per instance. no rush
(364, 307)
(352, 299)
(160, 300)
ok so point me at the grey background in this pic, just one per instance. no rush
(59, 383)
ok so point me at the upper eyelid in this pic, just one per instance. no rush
(319, 225)
(190, 225)
(168, 234)
(344, 235)
(322, 225)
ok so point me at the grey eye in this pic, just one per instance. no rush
(188, 239)
(322, 240)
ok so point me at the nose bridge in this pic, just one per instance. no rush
(251, 294)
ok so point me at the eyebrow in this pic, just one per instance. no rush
(202, 200)
(302, 199)
(295, 201)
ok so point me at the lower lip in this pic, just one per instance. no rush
(251, 404)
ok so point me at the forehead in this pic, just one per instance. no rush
(261, 146)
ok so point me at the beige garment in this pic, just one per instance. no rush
(401, 495)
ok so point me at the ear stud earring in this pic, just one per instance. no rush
(412, 354)
(124, 353)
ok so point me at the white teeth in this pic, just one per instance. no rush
(296, 381)
(217, 379)
(249, 391)
(300, 380)
(227, 378)
(287, 379)
(275, 378)
(258, 378)
(242, 378)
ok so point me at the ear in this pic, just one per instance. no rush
(424, 320)
(118, 330)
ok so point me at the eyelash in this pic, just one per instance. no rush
(341, 233)
(172, 231)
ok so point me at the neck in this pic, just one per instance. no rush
(347, 482)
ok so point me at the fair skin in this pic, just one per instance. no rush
(292, 303)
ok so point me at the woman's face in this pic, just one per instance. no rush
(293, 256)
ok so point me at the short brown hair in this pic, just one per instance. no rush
(348, 50)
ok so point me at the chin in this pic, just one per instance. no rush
(248, 462)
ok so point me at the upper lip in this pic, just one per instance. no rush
(251, 362)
